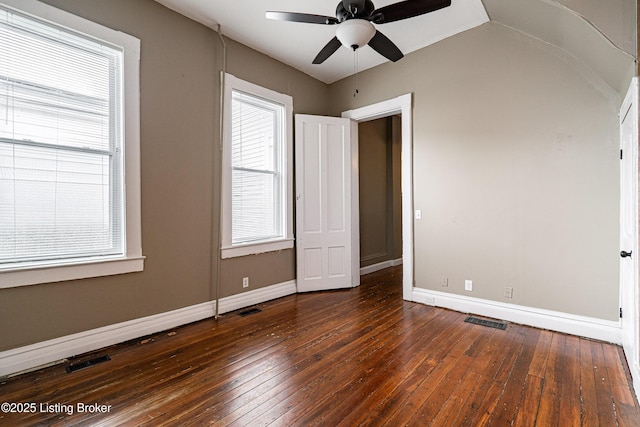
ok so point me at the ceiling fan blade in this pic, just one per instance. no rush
(385, 47)
(408, 9)
(333, 45)
(301, 17)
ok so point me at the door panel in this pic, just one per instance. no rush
(323, 203)
(336, 190)
(311, 213)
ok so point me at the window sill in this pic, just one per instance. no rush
(37, 274)
(256, 248)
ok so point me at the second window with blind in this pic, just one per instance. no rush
(257, 213)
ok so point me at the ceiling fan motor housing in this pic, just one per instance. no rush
(354, 9)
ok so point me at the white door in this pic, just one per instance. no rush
(628, 224)
(326, 240)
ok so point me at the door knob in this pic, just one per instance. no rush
(625, 254)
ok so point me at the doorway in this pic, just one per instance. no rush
(402, 106)
(379, 176)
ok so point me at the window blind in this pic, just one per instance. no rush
(61, 194)
(257, 184)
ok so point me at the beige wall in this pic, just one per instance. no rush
(515, 169)
(180, 63)
(380, 201)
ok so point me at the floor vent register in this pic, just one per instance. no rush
(487, 323)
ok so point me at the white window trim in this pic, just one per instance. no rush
(229, 250)
(133, 260)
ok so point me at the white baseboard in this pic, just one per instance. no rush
(55, 350)
(583, 326)
(380, 266)
(48, 352)
(257, 296)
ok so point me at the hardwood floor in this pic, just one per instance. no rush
(352, 357)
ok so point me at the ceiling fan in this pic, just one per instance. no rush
(355, 19)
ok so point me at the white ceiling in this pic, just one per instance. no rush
(297, 44)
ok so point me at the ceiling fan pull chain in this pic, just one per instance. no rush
(355, 71)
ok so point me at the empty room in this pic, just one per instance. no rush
(350, 212)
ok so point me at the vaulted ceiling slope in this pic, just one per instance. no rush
(601, 35)
(615, 18)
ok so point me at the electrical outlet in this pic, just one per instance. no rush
(245, 282)
(468, 285)
(444, 282)
(508, 292)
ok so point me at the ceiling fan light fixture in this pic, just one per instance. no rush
(355, 33)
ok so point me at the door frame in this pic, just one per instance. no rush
(400, 105)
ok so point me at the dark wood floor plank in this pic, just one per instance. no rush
(406, 394)
(625, 403)
(326, 348)
(488, 403)
(314, 377)
(444, 408)
(164, 360)
(532, 392)
(549, 411)
(245, 373)
(323, 384)
(604, 394)
(528, 410)
(589, 416)
(361, 356)
(447, 336)
(430, 394)
(570, 390)
(376, 368)
(473, 388)
(541, 354)
(512, 394)
(423, 358)
(505, 343)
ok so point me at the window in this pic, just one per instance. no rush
(257, 170)
(64, 151)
